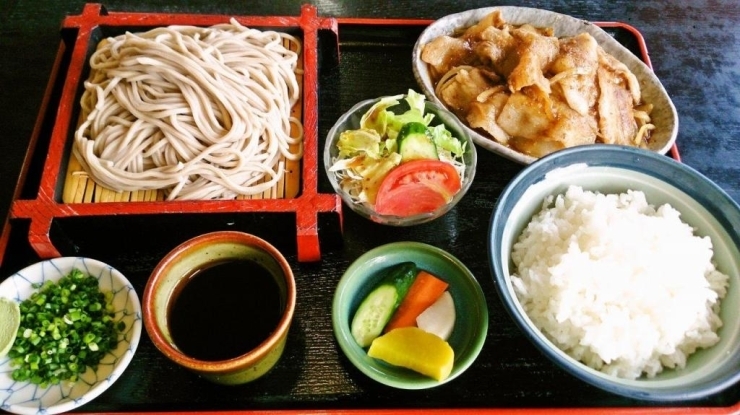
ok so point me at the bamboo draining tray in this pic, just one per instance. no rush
(79, 187)
(65, 191)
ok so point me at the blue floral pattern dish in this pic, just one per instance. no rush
(27, 398)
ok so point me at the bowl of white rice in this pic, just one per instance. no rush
(623, 267)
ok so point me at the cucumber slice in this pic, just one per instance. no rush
(415, 142)
(378, 307)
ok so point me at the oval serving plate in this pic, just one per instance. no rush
(27, 398)
(663, 116)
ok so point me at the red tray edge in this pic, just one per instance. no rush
(735, 409)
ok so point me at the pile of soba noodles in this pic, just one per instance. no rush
(199, 113)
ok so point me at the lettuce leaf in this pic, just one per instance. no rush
(443, 139)
(354, 142)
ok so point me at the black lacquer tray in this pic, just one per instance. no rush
(355, 59)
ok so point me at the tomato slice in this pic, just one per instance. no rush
(409, 199)
(417, 186)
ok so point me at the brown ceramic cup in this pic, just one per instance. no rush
(179, 266)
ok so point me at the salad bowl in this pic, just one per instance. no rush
(396, 111)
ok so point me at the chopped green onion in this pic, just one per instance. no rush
(66, 327)
(88, 338)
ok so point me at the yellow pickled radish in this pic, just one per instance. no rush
(10, 320)
(415, 349)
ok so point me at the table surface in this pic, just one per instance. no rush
(695, 51)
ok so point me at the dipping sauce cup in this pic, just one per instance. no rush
(221, 305)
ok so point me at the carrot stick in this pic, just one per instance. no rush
(424, 291)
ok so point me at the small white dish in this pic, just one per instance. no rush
(26, 398)
(664, 114)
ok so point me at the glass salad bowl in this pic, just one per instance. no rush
(399, 160)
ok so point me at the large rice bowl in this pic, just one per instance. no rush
(619, 284)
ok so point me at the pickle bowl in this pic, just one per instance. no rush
(351, 119)
(471, 313)
(25, 397)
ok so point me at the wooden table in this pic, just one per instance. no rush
(694, 50)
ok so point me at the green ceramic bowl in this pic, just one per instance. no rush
(471, 325)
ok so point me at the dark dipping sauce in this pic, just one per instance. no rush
(224, 310)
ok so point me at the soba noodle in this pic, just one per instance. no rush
(200, 113)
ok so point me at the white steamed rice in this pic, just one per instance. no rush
(618, 284)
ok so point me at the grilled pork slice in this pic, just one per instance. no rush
(494, 19)
(574, 72)
(444, 53)
(536, 53)
(628, 79)
(616, 115)
(463, 88)
(484, 111)
(497, 49)
(539, 125)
